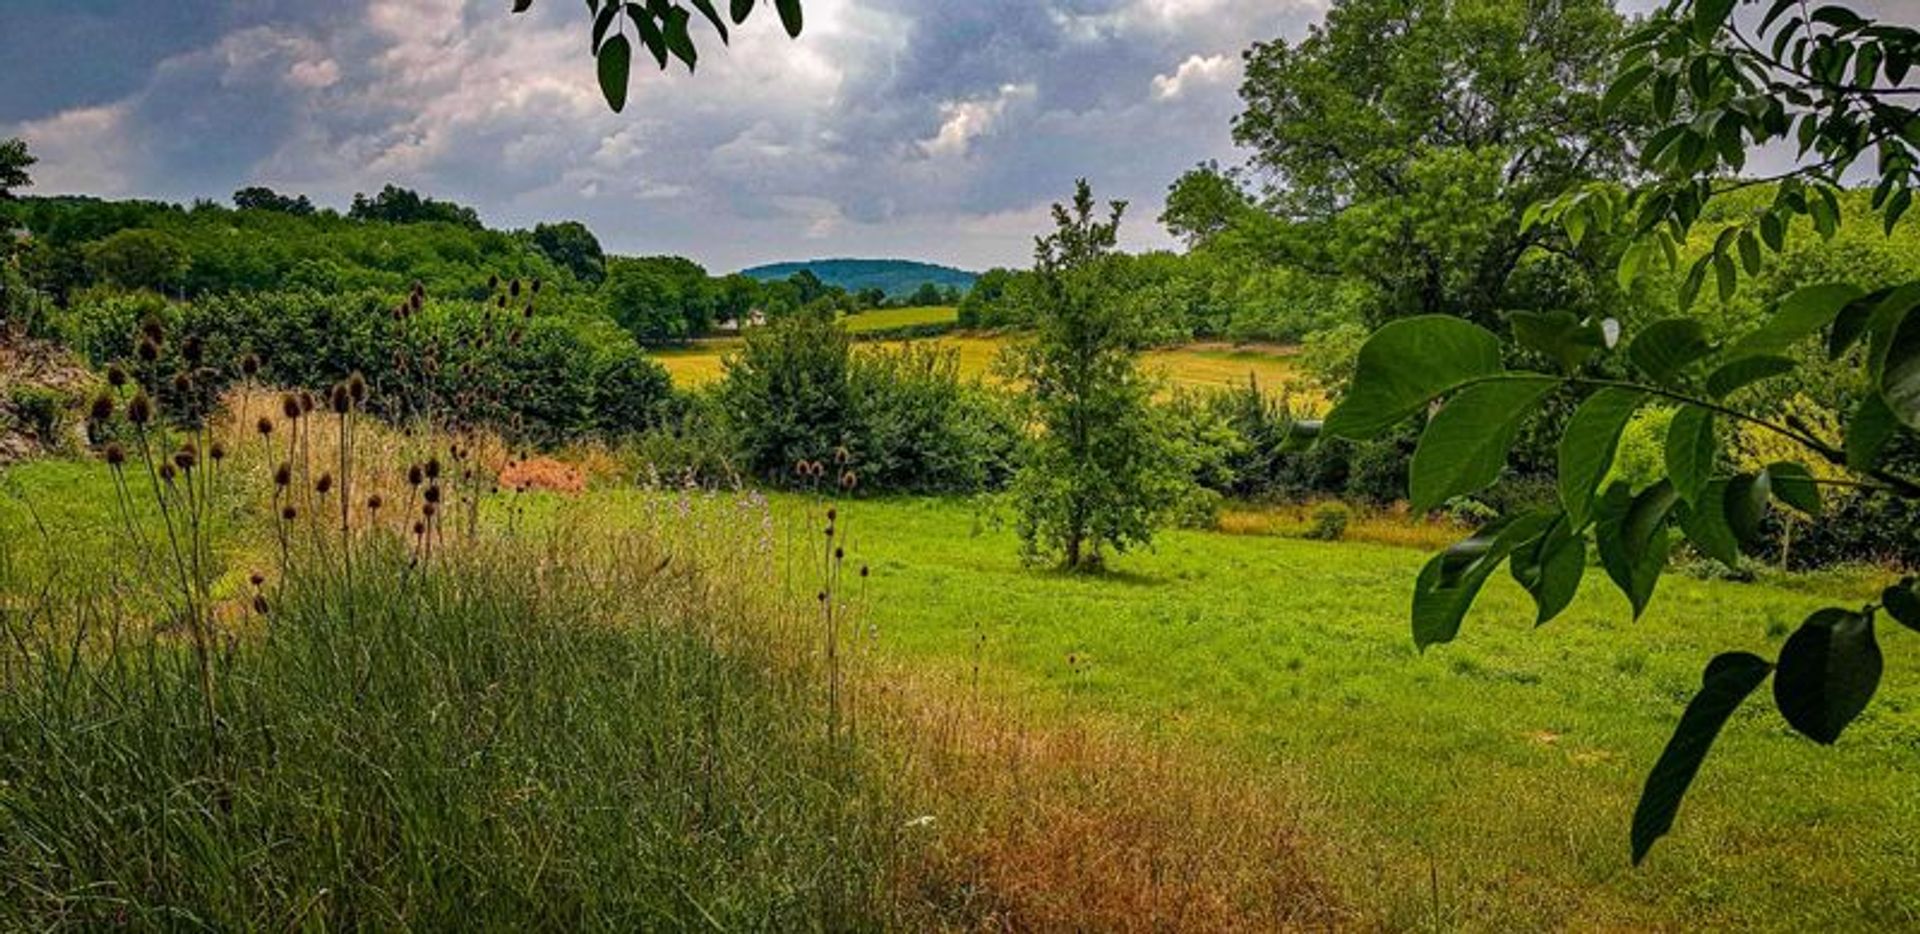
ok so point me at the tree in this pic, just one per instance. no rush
(926, 294)
(1830, 80)
(660, 299)
(1203, 203)
(15, 160)
(396, 205)
(260, 198)
(662, 28)
(1097, 471)
(570, 245)
(1418, 131)
(138, 259)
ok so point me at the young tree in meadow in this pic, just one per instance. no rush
(1098, 471)
(1721, 86)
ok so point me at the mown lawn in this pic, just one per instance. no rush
(1485, 784)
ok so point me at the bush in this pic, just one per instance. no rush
(1329, 522)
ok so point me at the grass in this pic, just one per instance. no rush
(882, 319)
(1197, 366)
(1486, 784)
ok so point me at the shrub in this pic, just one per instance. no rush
(1329, 521)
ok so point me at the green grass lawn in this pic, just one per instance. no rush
(1492, 778)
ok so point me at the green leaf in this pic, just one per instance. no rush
(1691, 451)
(1750, 259)
(1452, 579)
(1868, 432)
(1587, 447)
(1793, 484)
(1797, 316)
(1631, 532)
(707, 10)
(679, 38)
(1827, 673)
(1624, 86)
(1406, 365)
(1903, 604)
(1301, 435)
(1558, 334)
(1706, 525)
(1742, 372)
(1900, 371)
(1746, 505)
(1709, 16)
(1550, 568)
(616, 62)
(1726, 684)
(740, 10)
(1464, 447)
(789, 16)
(1667, 347)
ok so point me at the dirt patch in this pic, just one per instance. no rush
(42, 389)
(542, 474)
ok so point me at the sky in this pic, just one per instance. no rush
(923, 129)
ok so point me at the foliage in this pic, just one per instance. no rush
(659, 299)
(1098, 470)
(396, 205)
(1414, 133)
(15, 160)
(571, 246)
(661, 28)
(1203, 203)
(1329, 521)
(897, 278)
(260, 198)
(138, 259)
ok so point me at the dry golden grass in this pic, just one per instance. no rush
(1391, 526)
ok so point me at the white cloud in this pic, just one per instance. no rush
(962, 122)
(1196, 71)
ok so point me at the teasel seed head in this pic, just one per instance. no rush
(102, 408)
(116, 455)
(357, 388)
(433, 468)
(513, 288)
(849, 480)
(323, 485)
(250, 365)
(152, 330)
(290, 406)
(289, 513)
(374, 503)
(116, 376)
(433, 494)
(419, 529)
(264, 426)
(193, 351)
(536, 285)
(840, 455)
(429, 510)
(832, 514)
(493, 282)
(257, 578)
(415, 475)
(839, 553)
(147, 351)
(182, 384)
(217, 451)
(186, 458)
(307, 401)
(166, 474)
(260, 604)
(340, 399)
(140, 408)
(863, 570)
(283, 475)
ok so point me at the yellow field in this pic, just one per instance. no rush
(885, 318)
(1196, 366)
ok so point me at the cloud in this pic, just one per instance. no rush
(907, 127)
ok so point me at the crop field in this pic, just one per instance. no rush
(1196, 366)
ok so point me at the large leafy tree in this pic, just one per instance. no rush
(15, 160)
(571, 245)
(1818, 78)
(1420, 130)
(1098, 471)
(660, 299)
(664, 30)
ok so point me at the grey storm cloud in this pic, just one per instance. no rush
(922, 128)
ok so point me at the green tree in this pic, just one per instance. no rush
(261, 198)
(1098, 470)
(926, 294)
(1418, 132)
(396, 205)
(1202, 203)
(138, 259)
(659, 299)
(1830, 80)
(15, 160)
(571, 246)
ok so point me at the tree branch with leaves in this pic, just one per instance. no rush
(663, 29)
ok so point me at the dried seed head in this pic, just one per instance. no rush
(102, 408)
(800, 467)
(527, 312)
(283, 474)
(264, 426)
(182, 384)
(429, 510)
(493, 282)
(419, 529)
(260, 604)
(863, 570)
(289, 513)
(374, 502)
(840, 455)
(250, 365)
(193, 351)
(116, 376)
(290, 405)
(832, 514)
(186, 457)
(217, 451)
(116, 455)
(513, 288)
(839, 554)
(324, 484)
(166, 473)
(151, 329)
(147, 351)
(257, 578)
(536, 286)
(849, 480)
(340, 399)
(357, 388)
(415, 476)
(140, 408)
(307, 401)
(433, 468)
(433, 494)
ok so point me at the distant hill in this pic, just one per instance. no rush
(896, 277)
